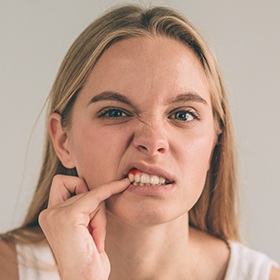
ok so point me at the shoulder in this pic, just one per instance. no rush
(250, 264)
(275, 273)
(8, 261)
(214, 253)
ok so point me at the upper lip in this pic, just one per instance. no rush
(149, 169)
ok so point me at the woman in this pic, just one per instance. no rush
(138, 177)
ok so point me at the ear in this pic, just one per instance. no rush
(60, 140)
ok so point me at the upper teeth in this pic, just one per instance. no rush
(146, 179)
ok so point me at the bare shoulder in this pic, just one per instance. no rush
(275, 274)
(215, 253)
(8, 261)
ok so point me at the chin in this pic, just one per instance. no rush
(144, 213)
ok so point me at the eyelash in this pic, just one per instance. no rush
(107, 113)
(185, 111)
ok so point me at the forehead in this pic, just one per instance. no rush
(148, 64)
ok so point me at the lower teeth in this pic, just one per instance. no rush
(146, 184)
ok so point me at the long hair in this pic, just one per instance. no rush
(215, 211)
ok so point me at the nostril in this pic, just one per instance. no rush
(141, 147)
(150, 141)
(153, 151)
(161, 150)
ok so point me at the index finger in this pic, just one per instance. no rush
(89, 202)
(63, 186)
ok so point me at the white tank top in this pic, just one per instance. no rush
(247, 264)
(37, 263)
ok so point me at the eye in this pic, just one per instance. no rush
(113, 113)
(184, 115)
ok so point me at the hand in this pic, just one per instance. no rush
(75, 226)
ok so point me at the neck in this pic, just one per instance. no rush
(155, 252)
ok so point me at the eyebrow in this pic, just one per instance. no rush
(188, 97)
(115, 96)
(110, 95)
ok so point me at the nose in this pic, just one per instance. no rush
(151, 139)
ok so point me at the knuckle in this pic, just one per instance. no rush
(43, 217)
(50, 221)
(97, 196)
(57, 178)
(49, 215)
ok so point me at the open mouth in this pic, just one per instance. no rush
(139, 178)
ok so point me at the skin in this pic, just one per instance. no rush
(108, 227)
(151, 136)
(166, 125)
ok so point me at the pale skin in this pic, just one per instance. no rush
(147, 105)
(146, 135)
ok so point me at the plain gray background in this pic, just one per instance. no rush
(245, 35)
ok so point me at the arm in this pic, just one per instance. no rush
(8, 261)
(275, 274)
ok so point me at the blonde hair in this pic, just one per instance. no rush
(215, 211)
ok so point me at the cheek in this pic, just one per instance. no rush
(96, 153)
(196, 161)
(197, 150)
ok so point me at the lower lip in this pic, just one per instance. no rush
(150, 190)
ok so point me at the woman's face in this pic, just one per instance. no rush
(146, 106)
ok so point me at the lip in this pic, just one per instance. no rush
(151, 190)
(149, 169)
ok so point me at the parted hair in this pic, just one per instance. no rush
(215, 211)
